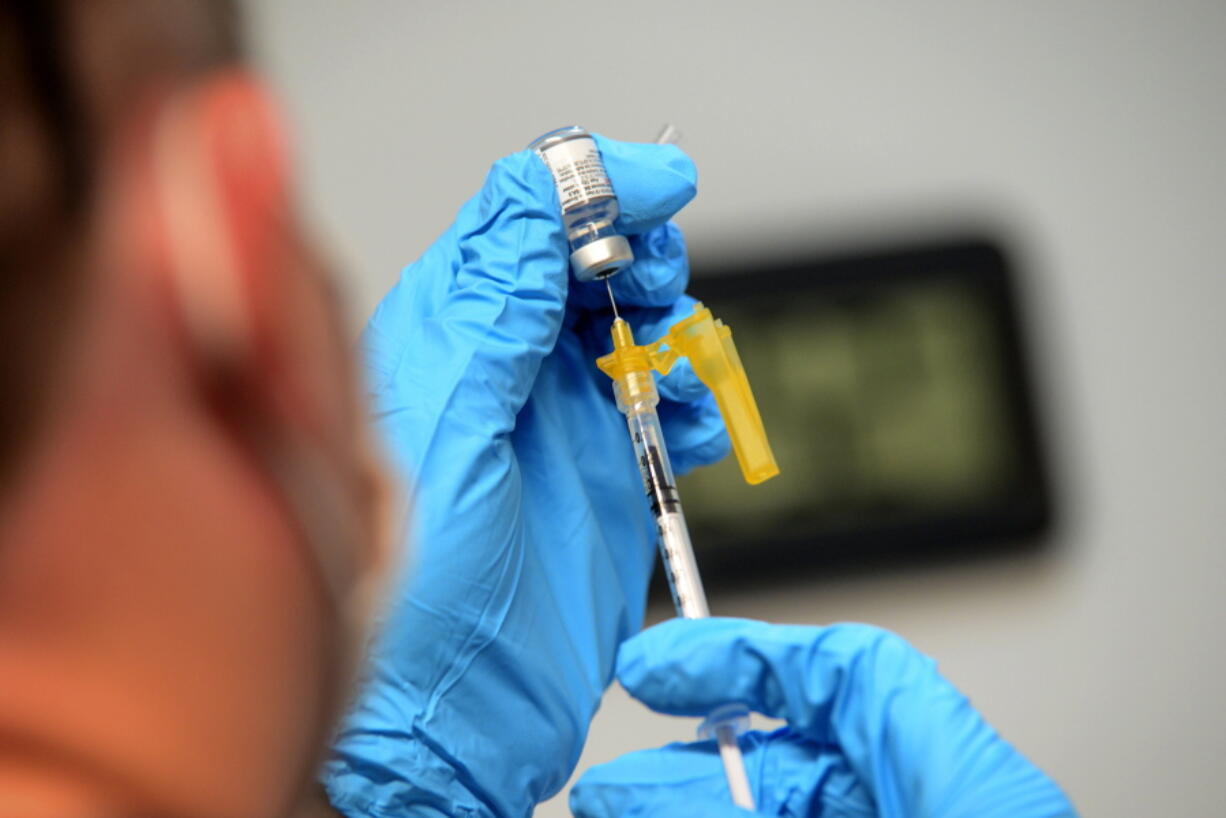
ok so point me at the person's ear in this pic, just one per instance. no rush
(206, 213)
(204, 208)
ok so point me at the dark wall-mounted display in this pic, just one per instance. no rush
(897, 395)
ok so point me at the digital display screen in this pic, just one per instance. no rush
(894, 391)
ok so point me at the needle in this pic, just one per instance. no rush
(608, 283)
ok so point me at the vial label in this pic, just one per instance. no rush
(577, 171)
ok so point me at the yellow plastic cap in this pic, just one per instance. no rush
(707, 343)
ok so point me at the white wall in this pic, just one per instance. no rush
(1096, 129)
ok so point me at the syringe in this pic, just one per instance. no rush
(634, 387)
(637, 399)
(589, 210)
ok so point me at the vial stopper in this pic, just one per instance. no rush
(601, 258)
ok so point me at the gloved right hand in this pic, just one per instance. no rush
(534, 541)
(873, 729)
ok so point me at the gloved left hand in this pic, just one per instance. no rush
(534, 541)
(873, 730)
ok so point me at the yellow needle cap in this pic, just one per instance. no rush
(707, 343)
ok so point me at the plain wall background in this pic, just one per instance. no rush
(1094, 131)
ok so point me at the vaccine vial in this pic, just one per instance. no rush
(589, 205)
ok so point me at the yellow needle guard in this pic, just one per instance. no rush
(707, 343)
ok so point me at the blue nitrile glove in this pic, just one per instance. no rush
(873, 729)
(532, 539)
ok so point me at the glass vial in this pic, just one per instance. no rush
(589, 205)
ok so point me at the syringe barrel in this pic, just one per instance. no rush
(724, 724)
(637, 398)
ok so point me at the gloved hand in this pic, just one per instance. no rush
(873, 729)
(533, 540)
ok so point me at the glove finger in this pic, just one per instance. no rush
(661, 269)
(907, 733)
(652, 182)
(682, 385)
(694, 433)
(658, 277)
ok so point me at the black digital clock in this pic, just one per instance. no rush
(896, 392)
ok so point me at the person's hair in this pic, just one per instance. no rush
(49, 150)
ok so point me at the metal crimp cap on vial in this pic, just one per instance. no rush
(601, 258)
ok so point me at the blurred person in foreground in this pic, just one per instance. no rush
(196, 532)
